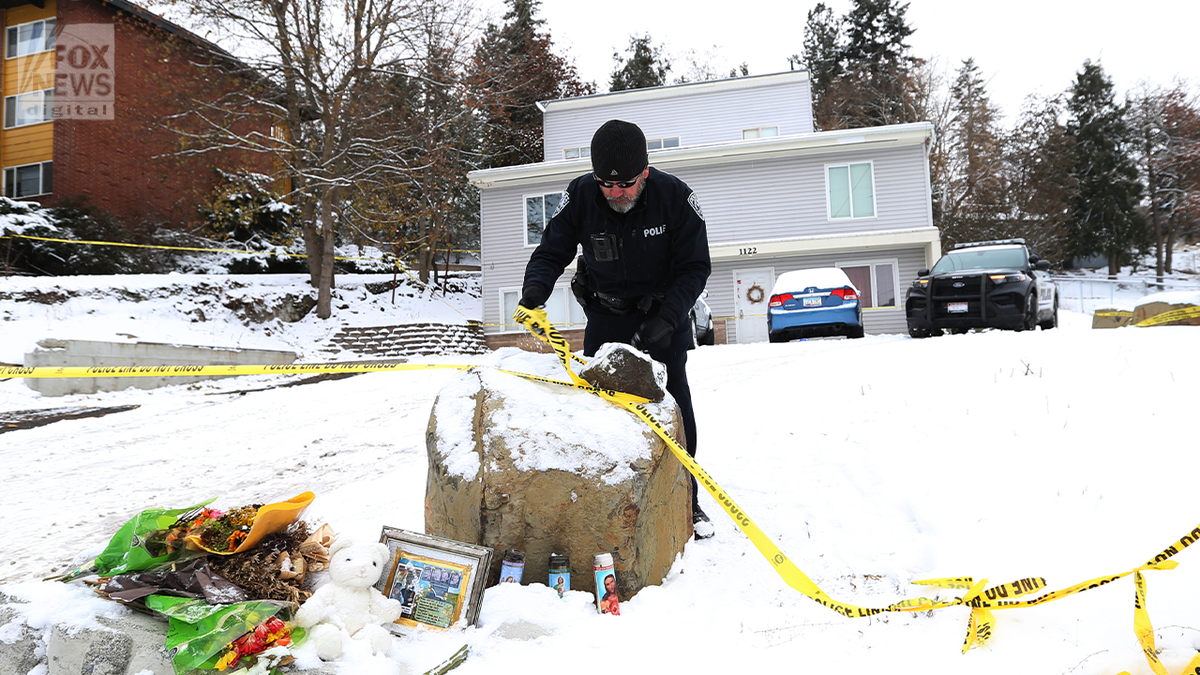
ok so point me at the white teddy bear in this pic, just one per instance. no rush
(348, 606)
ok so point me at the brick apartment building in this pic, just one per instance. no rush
(86, 86)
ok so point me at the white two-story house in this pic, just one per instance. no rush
(777, 196)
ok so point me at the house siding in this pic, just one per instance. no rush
(785, 198)
(715, 113)
(502, 244)
(24, 74)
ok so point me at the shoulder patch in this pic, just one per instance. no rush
(562, 204)
(695, 205)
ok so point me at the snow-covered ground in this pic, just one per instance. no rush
(1064, 454)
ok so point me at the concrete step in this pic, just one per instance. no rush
(413, 339)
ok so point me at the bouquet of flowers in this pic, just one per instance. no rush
(222, 531)
(266, 635)
(240, 529)
(245, 635)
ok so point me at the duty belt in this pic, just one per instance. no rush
(624, 306)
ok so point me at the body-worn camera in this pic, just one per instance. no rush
(604, 246)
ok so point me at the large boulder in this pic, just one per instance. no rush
(1171, 308)
(544, 468)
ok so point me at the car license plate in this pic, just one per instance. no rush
(812, 302)
(956, 307)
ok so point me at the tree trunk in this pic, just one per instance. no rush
(1154, 218)
(1172, 229)
(325, 285)
(312, 239)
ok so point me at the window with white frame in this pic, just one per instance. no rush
(539, 209)
(851, 190)
(29, 180)
(876, 281)
(662, 143)
(32, 107)
(30, 38)
(760, 132)
(576, 153)
(562, 309)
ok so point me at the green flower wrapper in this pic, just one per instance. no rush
(198, 632)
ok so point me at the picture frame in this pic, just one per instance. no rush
(439, 582)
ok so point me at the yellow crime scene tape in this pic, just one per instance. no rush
(980, 598)
(203, 250)
(1173, 315)
(59, 372)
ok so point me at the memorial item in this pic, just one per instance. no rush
(512, 567)
(607, 600)
(349, 607)
(204, 636)
(439, 582)
(560, 573)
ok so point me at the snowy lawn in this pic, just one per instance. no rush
(1065, 454)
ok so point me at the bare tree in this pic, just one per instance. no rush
(319, 61)
(1166, 124)
(425, 117)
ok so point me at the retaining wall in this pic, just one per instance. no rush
(87, 353)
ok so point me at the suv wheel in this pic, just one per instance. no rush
(1052, 322)
(1031, 321)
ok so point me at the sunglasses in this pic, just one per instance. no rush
(623, 184)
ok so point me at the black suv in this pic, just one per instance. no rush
(984, 284)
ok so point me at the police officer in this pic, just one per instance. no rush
(645, 261)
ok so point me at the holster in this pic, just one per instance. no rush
(583, 292)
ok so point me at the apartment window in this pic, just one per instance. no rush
(33, 107)
(539, 209)
(576, 153)
(851, 190)
(876, 281)
(760, 132)
(29, 180)
(662, 143)
(30, 38)
(562, 309)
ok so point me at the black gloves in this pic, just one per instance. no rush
(533, 296)
(579, 283)
(653, 335)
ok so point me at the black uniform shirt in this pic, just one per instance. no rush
(662, 243)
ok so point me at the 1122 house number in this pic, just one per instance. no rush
(748, 251)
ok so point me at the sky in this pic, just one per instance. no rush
(1021, 46)
(872, 463)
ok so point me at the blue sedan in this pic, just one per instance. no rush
(814, 303)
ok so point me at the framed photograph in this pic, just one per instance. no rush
(439, 582)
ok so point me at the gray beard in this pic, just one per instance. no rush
(626, 207)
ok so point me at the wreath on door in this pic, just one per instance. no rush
(755, 294)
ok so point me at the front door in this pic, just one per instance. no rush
(752, 290)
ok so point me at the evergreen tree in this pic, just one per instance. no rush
(822, 53)
(514, 68)
(972, 206)
(1104, 217)
(862, 70)
(645, 66)
(1040, 190)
